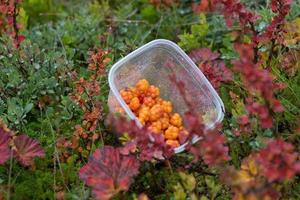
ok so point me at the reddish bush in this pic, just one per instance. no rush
(262, 170)
(9, 10)
(278, 160)
(86, 94)
(211, 66)
(24, 149)
(108, 172)
(150, 145)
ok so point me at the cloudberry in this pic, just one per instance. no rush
(153, 91)
(156, 112)
(149, 101)
(126, 95)
(134, 104)
(164, 122)
(176, 120)
(172, 133)
(142, 120)
(133, 91)
(172, 143)
(142, 85)
(167, 106)
(159, 100)
(144, 113)
(156, 127)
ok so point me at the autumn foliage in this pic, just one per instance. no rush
(9, 10)
(21, 147)
(86, 95)
(108, 172)
(261, 170)
(212, 66)
(60, 137)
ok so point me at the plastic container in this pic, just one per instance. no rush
(155, 62)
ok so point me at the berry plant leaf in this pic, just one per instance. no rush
(26, 149)
(109, 172)
(4, 145)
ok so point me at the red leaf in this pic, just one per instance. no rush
(149, 145)
(245, 51)
(20, 38)
(214, 149)
(203, 55)
(212, 67)
(266, 122)
(243, 120)
(278, 160)
(277, 106)
(4, 144)
(26, 149)
(109, 172)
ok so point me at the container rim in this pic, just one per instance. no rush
(117, 65)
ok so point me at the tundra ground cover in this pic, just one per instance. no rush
(58, 141)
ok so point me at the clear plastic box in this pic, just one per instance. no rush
(155, 62)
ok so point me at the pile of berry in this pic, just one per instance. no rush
(153, 112)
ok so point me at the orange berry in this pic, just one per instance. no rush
(176, 120)
(127, 95)
(159, 100)
(149, 101)
(156, 127)
(142, 85)
(172, 133)
(172, 143)
(144, 113)
(133, 91)
(164, 122)
(153, 91)
(167, 106)
(156, 112)
(134, 104)
(166, 115)
(142, 120)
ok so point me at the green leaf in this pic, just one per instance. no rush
(149, 13)
(68, 39)
(179, 193)
(188, 181)
(267, 133)
(28, 108)
(203, 198)
(23, 18)
(213, 186)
